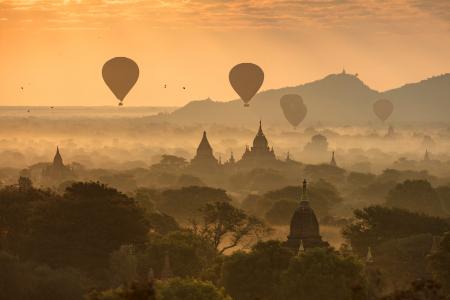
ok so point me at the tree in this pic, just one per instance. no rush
(189, 180)
(326, 172)
(256, 274)
(419, 290)
(18, 207)
(376, 224)
(123, 265)
(189, 254)
(415, 195)
(258, 180)
(147, 198)
(356, 179)
(189, 289)
(123, 181)
(28, 281)
(322, 196)
(170, 163)
(256, 205)
(397, 176)
(226, 226)
(403, 260)
(323, 274)
(281, 212)
(25, 183)
(161, 223)
(375, 192)
(444, 195)
(84, 227)
(132, 291)
(440, 262)
(185, 203)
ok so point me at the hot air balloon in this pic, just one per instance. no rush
(120, 74)
(383, 109)
(293, 108)
(246, 79)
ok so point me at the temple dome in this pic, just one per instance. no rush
(304, 222)
(304, 229)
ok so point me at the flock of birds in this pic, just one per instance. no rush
(120, 74)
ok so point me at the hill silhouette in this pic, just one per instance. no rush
(337, 98)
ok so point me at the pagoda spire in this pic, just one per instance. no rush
(301, 248)
(166, 272)
(369, 256)
(426, 156)
(232, 160)
(435, 245)
(304, 197)
(260, 132)
(150, 275)
(57, 160)
(333, 160)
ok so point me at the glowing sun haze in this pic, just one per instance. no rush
(55, 49)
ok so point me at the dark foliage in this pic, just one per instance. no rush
(415, 195)
(83, 227)
(256, 275)
(376, 224)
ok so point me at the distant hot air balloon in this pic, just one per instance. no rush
(383, 109)
(120, 74)
(246, 79)
(293, 108)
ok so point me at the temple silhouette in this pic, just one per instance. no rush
(57, 170)
(204, 158)
(260, 154)
(260, 151)
(304, 228)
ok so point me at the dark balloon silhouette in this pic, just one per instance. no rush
(383, 109)
(120, 75)
(293, 109)
(246, 79)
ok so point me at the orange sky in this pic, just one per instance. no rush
(55, 49)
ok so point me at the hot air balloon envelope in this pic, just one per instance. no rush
(293, 108)
(383, 109)
(120, 74)
(246, 79)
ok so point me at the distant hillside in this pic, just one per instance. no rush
(341, 98)
(427, 100)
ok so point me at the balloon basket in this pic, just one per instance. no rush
(246, 105)
(120, 104)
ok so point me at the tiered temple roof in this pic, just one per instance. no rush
(304, 229)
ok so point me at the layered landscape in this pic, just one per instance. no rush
(224, 150)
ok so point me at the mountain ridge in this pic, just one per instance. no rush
(340, 98)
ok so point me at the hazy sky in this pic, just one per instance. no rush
(55, 49)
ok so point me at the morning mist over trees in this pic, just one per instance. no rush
(224, 150)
